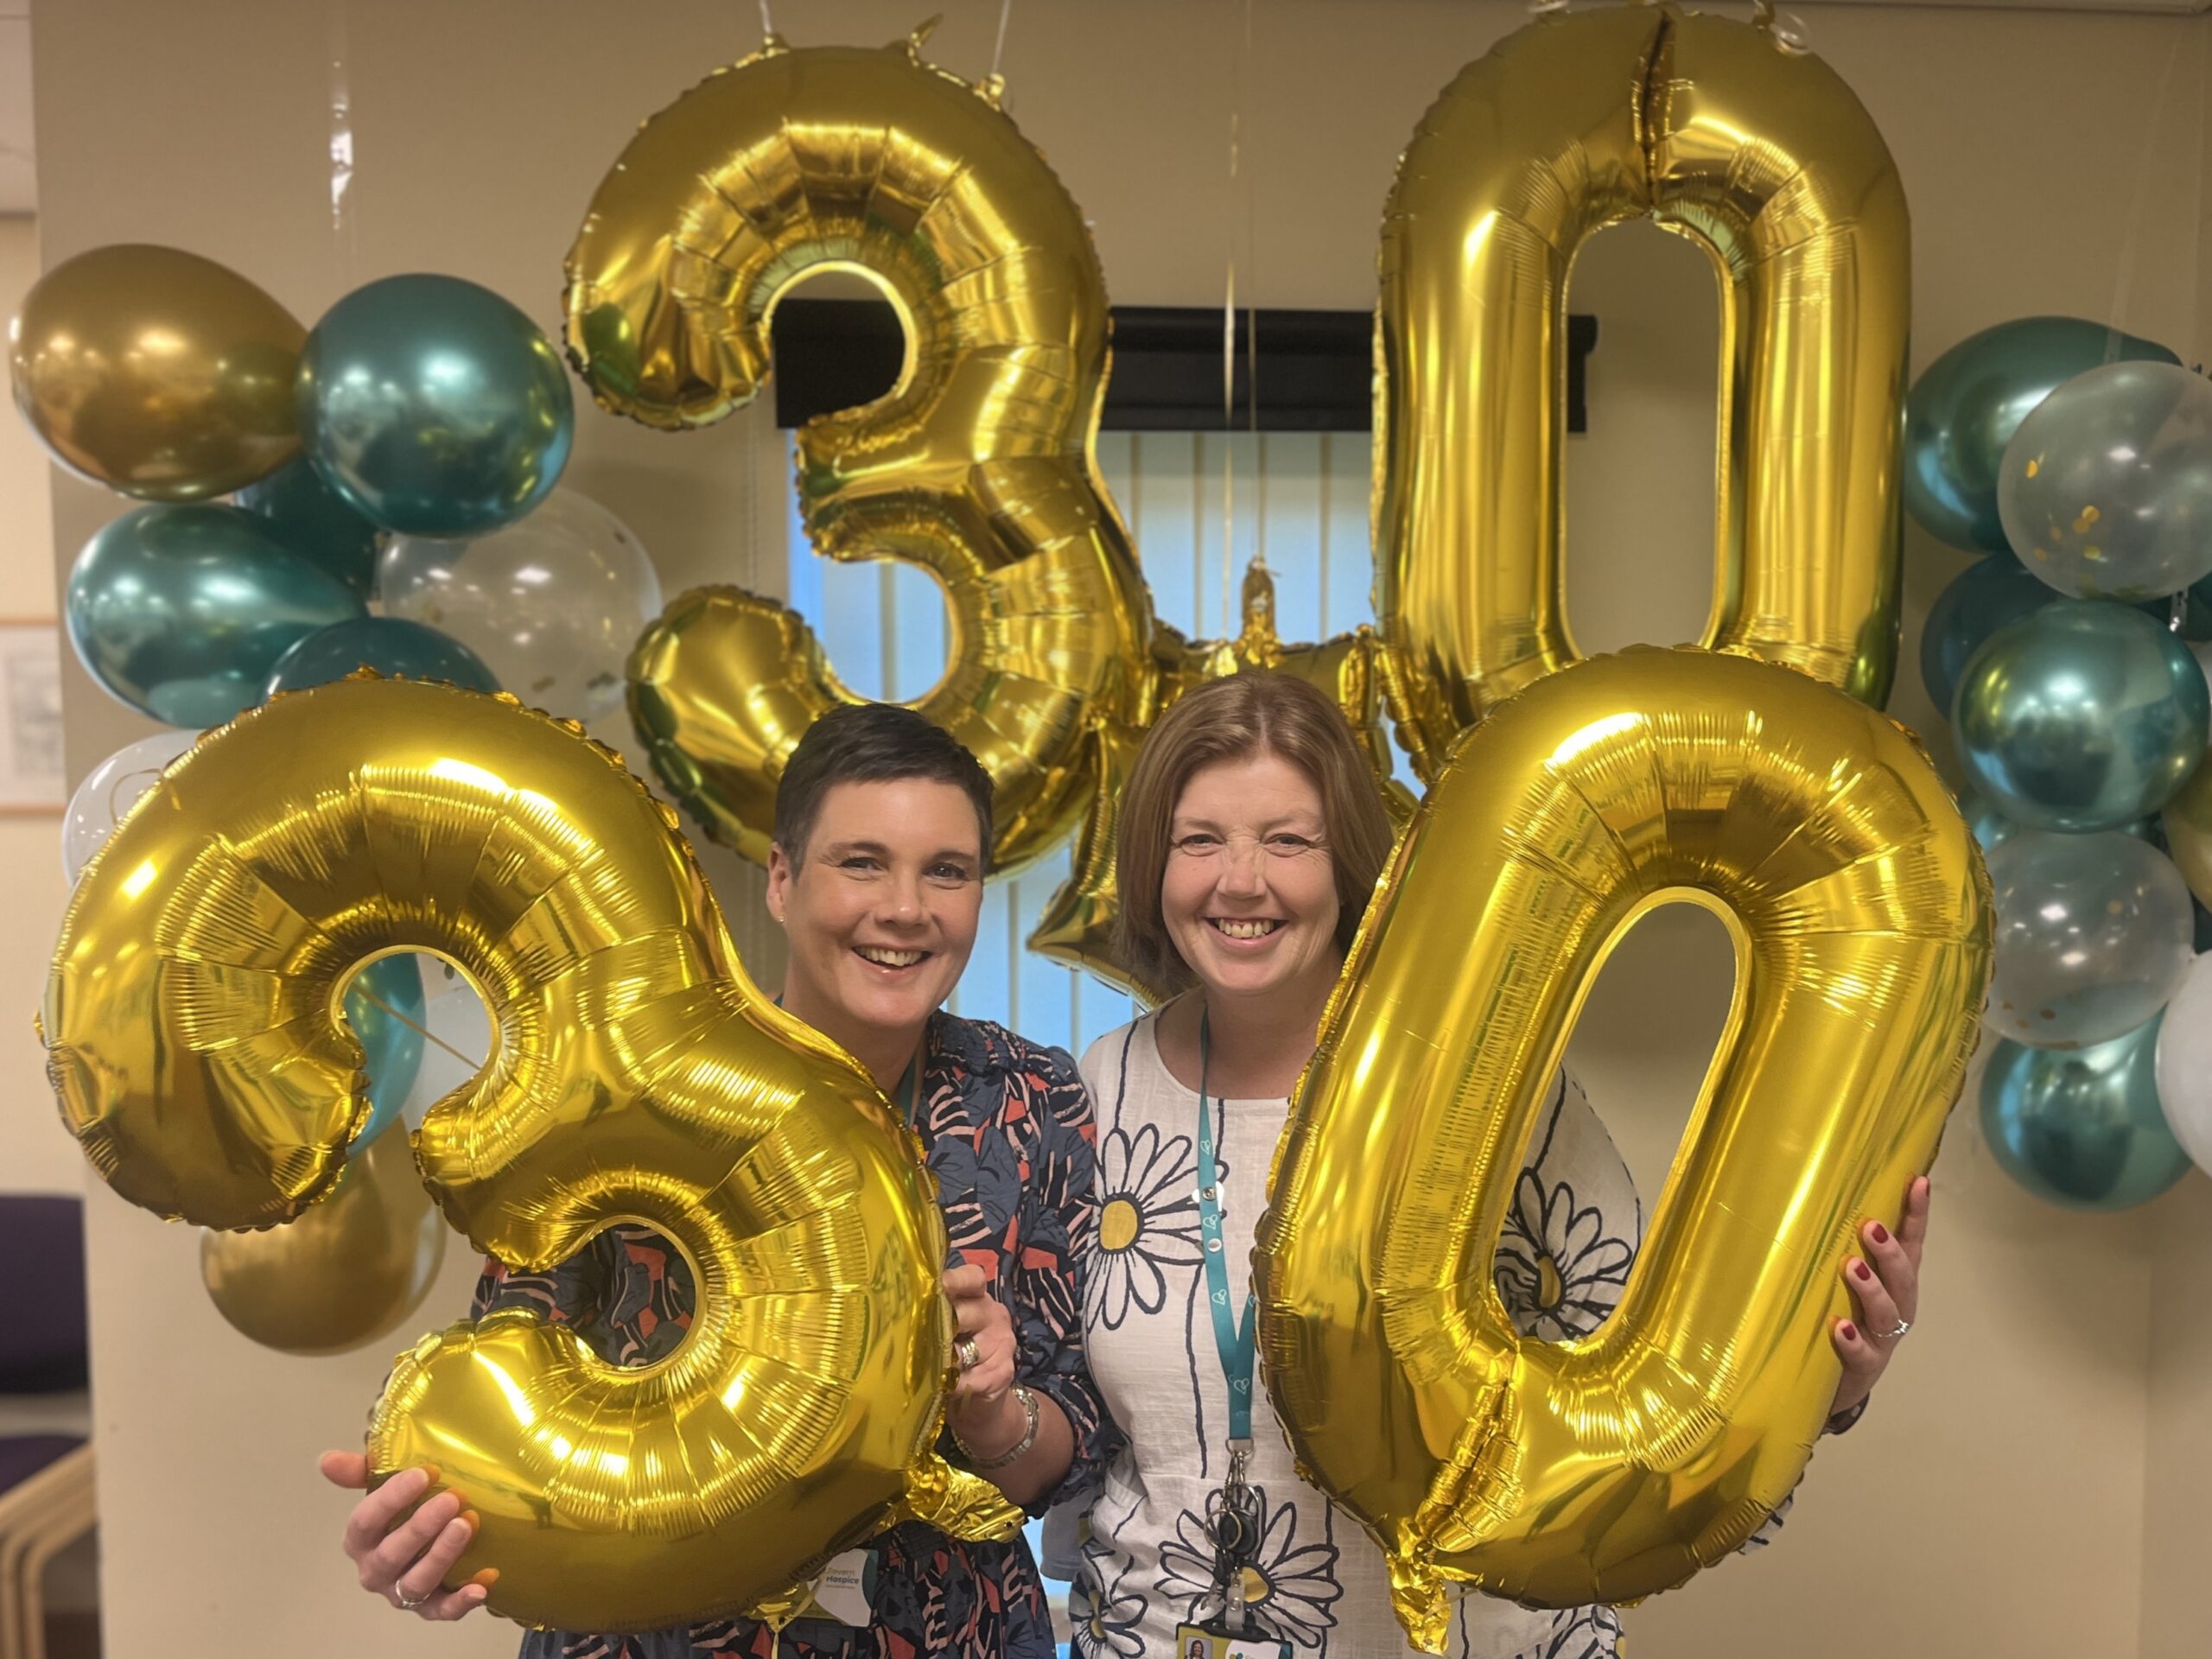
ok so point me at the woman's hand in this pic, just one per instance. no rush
(406, 1562)
(984, 1413)
(1885, 1286)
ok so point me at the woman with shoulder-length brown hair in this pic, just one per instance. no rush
(1251, 839)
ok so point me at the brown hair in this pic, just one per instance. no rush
(1234, 719)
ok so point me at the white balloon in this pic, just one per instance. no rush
(552, 603)
(111, 790)
(2185, 1063)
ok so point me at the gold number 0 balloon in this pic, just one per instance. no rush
(1766, 160)
(192, 1021)
(976, 467)
(1610, 1467)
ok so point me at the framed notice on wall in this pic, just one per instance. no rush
(31, 779)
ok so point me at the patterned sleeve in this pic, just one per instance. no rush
(1575, 1225)
(1056, 1216)
(627, 1294)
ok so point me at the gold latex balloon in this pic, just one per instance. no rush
(975, 468)
(1607, 1468)
(1764, 157)
(345, 1273)
(639, 1074)
(156, 373)
(1077, 926)
(2187, 821)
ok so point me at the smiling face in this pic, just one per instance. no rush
(1249, 891)
(879, 907)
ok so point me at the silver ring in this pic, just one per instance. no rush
(964, 1347)
(1904, 1325)
(408, 1602)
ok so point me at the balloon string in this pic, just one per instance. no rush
(767, 22)
(2124, 282)
(1239, 187)
(341, 141)
(423, 1031)
(998, 51)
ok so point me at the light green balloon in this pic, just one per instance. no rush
(2082, 1128)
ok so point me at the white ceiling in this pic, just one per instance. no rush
(19, 182)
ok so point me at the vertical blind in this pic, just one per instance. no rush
(1200, 506)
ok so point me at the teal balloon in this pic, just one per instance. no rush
(2082, 1127)
(434, 407)
(387, 643)
(2086, 716)
(182, 611)
(310, 518)
(1981, 600)
(383, 999)
(1968, 402)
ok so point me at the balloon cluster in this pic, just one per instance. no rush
(403, 455)
(2073, 663)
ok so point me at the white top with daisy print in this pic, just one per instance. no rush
(1319, 1582)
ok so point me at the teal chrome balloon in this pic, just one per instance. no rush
(2092, 937)
(2086, 716)
(308, 517)
(434, 407)
(2107, 490)
(386, 644)
(1983, 599)
(1968, 402)
(182, 612)
(2082, 1128)
(384, 999)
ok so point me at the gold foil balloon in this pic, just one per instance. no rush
(975, 468)
(2187, 821)
(1607, 1468)
(637, 1074)
(156, 373)
(347, 1272)
(1077, 926)
(1765, 158)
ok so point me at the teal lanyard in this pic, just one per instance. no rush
(1234, 1344)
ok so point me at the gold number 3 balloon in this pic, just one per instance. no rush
(1715, 130)
(194, 1040)
(975, 468)
(1606, 1468)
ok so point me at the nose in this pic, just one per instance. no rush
(1241, 874)
(900, 899)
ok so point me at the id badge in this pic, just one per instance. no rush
(1212, 1640)
(845, 1594)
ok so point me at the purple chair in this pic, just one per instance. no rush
(45, 1480)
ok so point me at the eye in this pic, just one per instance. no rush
(859, 864)
(950, 873)
(1289, 845)
(1198, 841)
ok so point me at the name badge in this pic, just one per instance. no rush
(1209, 1641)
(846, 1591)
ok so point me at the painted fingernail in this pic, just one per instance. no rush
(1859, 1268)
(1850, 1331)
(474, 1519)
(1881, 1234)
(485, 1580)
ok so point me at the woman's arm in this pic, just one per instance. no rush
(1043, 1304)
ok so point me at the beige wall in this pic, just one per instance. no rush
(33, 1157)
(2025, 1484)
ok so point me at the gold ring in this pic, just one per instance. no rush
(969, 1355)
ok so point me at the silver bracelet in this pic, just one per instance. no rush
(983, 1465)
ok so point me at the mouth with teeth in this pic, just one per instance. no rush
(1244, 929)
(883, 955)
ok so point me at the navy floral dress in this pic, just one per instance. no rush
(1009, 1132)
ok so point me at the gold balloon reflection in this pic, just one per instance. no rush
(636, 1075)
(975, 468)
(1765, 159)
(347, 1272)
(1607, 1468)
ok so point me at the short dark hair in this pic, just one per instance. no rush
(873, 743)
